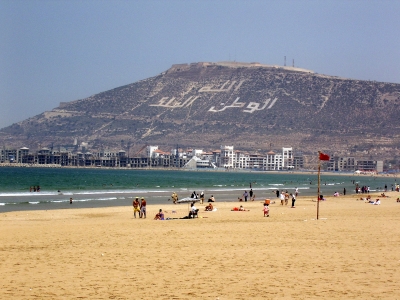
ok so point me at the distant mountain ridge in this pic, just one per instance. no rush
(249, 105)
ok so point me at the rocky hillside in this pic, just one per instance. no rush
(250, 106)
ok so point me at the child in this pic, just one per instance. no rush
(160, 215)
(266, 210)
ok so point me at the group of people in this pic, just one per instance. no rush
(140, 207)
(364, 189)
(194, 195)
(284, 197)
(246, 195)
(34, 188)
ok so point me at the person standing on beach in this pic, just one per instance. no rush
(266, 210)
(201, 197)
(296, 191)
(143, 209)
(344, 191)
(251, 194)
(277, 193)
(286, 197)
(293, 200)
(174, 197)
(245, 195)
(136, 207)
(282, 197)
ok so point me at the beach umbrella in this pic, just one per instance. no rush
(188, 200)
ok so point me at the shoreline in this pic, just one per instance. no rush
(227, 198)
(296, 172)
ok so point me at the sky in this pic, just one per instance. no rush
(60, 51)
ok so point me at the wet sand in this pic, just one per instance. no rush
(351, 252)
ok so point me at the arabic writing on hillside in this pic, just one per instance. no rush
(250, 108)
(224, 88)
(173, 102)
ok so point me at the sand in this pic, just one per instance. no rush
(351, 252)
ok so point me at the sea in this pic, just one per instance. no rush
(91, 187)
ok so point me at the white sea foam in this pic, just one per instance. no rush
(97, 199)
(139, 191)
(34, 202)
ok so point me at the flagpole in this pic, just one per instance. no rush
(319, 171)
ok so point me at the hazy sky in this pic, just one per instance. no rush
(60, 51)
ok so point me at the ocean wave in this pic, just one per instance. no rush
(27, 194)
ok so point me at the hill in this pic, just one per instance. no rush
(248, 105)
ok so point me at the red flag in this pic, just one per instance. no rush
(323, 156)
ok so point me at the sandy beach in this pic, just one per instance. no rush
(351, 252)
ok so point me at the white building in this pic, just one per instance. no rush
(150, 151)
(227, 157)
(287, 158)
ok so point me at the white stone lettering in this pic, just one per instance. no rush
(233, 105)
(172, 103)
(272, 103)
(253, 106)
(250, 108)
(223, 88)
